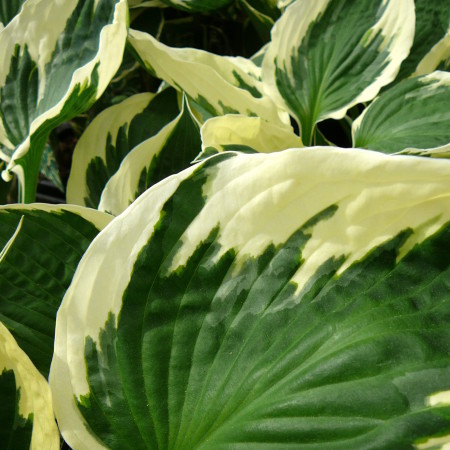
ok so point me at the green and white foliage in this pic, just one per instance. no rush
(326, 56)
(218, 84)
(289, 300)
(431, 47)
(437, 58)
(263, 14)
(237, 132)
(171, 150)
(42, 246)
(413, 113)
(56, 59)
(110, 137)
(197, 5)
(8, 9)
(26, 411)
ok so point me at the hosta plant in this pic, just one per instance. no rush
(226, 275)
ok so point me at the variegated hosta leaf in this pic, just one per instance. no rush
(56, 59)
(42, 246)
(413, 113)
(8, 9)
(287, 300)
(437, 58)
(110, 137)
(234, 132)
(261, 19)
(219, 85)
(197, 5)
(168, 152)
(26, 413)
(431, 39)
(326, 56)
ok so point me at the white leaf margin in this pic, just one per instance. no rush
(198, 72)
(397, 24)
(32, 18)
(92, 142)
(120, 190)
(35, 395)
(439, 52)
(256, 200)
(99, 219)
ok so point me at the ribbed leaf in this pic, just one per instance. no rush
(415, 113)
(219, 85)
(171, 150)
(287, 300)
(37, 268)
(326, 56)
(110, 137)
(55, 61)
(26, 413)
(231, 132)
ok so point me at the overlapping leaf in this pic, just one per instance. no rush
(414, 114)
(287, 300)
(26, 413)
(234, 132)
(326, 56)
(219, 85)
(171, 150)
(56, 59)
(110, 137)
(431, 46)
(44, 245)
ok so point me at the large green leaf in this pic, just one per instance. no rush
(326, 56)
(56, 59)
(43, 247)
(288, 300)
(26, 413)
(110, 137)
(415, 113)
(171, 150)
(218, 84)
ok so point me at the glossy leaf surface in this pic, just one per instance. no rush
(256, 301)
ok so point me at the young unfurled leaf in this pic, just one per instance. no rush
(288, 300)
(219, 85)
(110, 137)
(171, 150)
(326, 56)
(415, 113)
(231, 131)
(26, 413)
(56, 59)
(43, 247)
